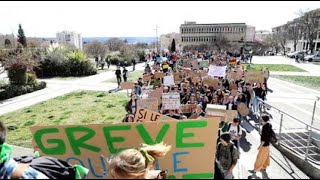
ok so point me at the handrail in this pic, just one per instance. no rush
(289, 114)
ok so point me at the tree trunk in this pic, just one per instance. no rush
(295, 46)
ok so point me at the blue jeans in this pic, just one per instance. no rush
(255, 106)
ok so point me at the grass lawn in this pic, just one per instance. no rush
(276, 67)
(132, 76)
(82, 107)
(307, 81)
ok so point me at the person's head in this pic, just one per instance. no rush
(225, 139)
(198, 95)
(133, 96)
(135, 163)
(258, 85)
(199, 108)
(236, 121)
(124, 68)
(118, 67)
(192, 97)
(130, 118)
(172, 111)
(265, 119)
(176, 88)
(3, 133)
(231, 98)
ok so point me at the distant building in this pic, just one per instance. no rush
(303, 43)
(7, 41)
(196, 34)
(262, 35)
(71, 38)
(166, 40)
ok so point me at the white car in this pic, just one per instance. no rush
(314, 57)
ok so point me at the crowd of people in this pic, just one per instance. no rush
(198, 94)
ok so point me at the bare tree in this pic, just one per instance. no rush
(115, 44)
(311, 24)
(295, 32)
(96, 48)
(282, 37)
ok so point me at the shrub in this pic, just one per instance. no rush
(13, 90)
(17, 75)
(31, 79)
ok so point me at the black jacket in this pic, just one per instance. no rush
(266, 134)
(234, 106)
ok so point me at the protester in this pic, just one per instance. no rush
(235, 131)
(226, 156)
(131, 106)
(118, 75)
(133, 64)
(125, 74)
(263, 157)
(138, 163)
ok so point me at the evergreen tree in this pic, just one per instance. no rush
(21, 37)
(173, 46)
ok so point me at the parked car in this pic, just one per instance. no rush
(313, 57)
(290, 53)
(296, 53)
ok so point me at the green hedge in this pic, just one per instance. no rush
(13, 90)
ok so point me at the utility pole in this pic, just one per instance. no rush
(156, 46)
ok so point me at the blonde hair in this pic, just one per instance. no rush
(133, 163)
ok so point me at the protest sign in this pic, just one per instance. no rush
(195, 64)
(254, 77)
(230, 115)
(195, 79)
(150, 103)
(158, 75)
(188, 108)
(147, 77)
(168, 80)
(203, 74)
(145, 115)
(217, 71)
(204, 64)
(156, 93)
(127, 85)
(216, 110)
(91, 145)
(243, 109)
(234, 92)
(211, 82)
(145, 90)
(171, 100)
(177, 78)
(235, 75)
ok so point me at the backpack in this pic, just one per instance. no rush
(273, 138)
(52, 167)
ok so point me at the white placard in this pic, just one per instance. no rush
(171, 100)
(168, 80)
(217, 71)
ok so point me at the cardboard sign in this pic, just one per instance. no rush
(158, 75)
(203, 74)
(177, 78)
(243, 109)
(234, 92)
(156, 93)
(230, 115)
(204, 64)
(145, 115)
(211, 82)
(192, 141)
(195, 79)
(145, 90)
(216, 110)
(146, 77)
(188, 108)
(195, 64)
(254, 77)
(217, 71)
(150, 103)
(168, 80)
(235, 75)
(171, 100)
(127, 85)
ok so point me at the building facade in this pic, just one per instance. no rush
(71, 38)
(196, 34)
(166, 40)
(262, 35)
(303, 43)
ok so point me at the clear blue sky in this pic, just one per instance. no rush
(92, 19)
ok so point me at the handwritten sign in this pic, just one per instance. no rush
(254, 77)
(204, 64)
(188, 108)
(217, 71)
(90, 144)
(211, 82)
(230, 115)
(168, 80)
(145, 115)
(243, 109)
(150, 103)
(158, 75)
(195, 79)
(147, 77)
(156, 93)
(216, 110)
(171, 100)
(203, 74)
(127, 85)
